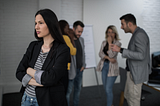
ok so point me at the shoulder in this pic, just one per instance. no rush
(104, 42)
(65, 37)
(33, 43)
(62, 47)
(117, 42)
(80, 38)
(140, 31)
(141, 34)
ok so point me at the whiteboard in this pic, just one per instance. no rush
(89, 45)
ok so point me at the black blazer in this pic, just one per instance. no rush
(55, 67)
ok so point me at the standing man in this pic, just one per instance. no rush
(77, 65)
(138, 59)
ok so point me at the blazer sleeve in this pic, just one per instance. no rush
(24, 63)
(53, 75)
(69, 44)
(101, 53)
(111, 53)
(84, 58)
(141, 42)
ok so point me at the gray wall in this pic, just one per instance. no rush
(16, 31)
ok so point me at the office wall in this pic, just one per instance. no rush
(70, 10)
(151, 22)
(16, 32)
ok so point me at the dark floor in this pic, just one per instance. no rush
(94, 96)
(90, 96)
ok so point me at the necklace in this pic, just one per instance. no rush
(45, 48)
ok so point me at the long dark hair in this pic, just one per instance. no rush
(51, 20)
(63, 24)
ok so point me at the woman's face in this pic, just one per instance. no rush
(41, 27)
(66, 29)
(111, 33)
(71, 33)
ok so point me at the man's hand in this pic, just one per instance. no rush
(115, 48)
(82, 69)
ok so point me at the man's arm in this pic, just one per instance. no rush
(141, 44)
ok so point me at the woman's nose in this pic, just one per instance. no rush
(36, 26)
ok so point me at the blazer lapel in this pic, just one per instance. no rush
(36, 52)
(51, 54)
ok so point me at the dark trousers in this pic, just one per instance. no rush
(65, 81)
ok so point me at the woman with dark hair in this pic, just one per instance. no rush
(68, 32)
(68, 36)
(108, 63)
(44, 64)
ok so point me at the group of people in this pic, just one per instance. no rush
(53, 64)
(137, 56)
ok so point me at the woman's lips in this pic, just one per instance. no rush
(38, 32)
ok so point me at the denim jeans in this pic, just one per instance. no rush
(77, 82)
(28, 101)
(108, 82)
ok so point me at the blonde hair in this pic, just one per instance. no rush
(114, 29)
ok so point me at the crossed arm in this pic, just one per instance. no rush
(32, 81)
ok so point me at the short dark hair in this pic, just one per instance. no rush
(78, 23)
(129, 18)
(63, 24)
(51, 20)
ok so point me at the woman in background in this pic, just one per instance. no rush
(44, 64)
(108, 63)
(68, 36)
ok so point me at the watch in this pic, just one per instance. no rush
(121, 50)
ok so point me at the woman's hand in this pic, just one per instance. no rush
(112, 60)
(33, 82)
(106, 57)
(31, 71)
(109, 39)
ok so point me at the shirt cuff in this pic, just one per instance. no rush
(38, 75)
(26, 79)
